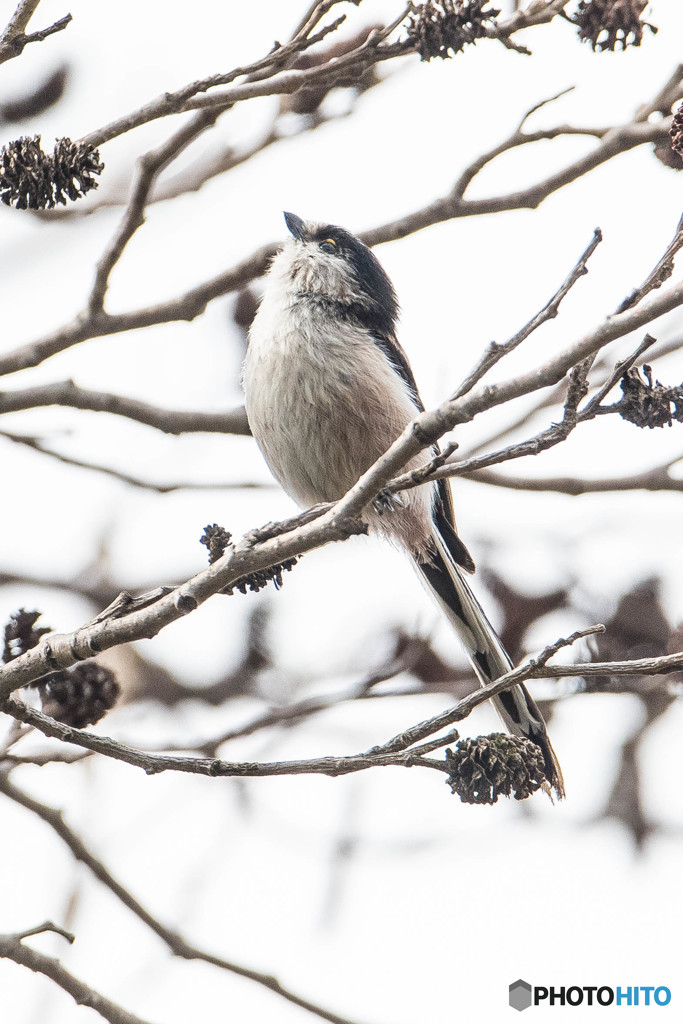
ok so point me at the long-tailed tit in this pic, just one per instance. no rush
(328, 390)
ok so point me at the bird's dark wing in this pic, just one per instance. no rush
(444, 517)
(391, 349)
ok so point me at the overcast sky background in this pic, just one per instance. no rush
(441, 905)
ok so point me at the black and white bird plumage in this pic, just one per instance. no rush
(328, 389)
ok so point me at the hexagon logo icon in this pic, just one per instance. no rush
(520, 995)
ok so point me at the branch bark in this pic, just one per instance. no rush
(170, 421)
(394, 753)
(15, 38)
(12, 948)
(95, 323)
(173, 940)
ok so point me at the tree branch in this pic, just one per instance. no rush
(656, 479)
(173, 940)
(36, 445)
(170, 421)
(148, 168)
(95, 323)
(12, 948)
(661, 273)
(531, 669)
(394, 753)
(614, 142)
(14, 38)
(264, 77)
(495, 352)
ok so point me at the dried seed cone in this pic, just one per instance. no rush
(21, 634)
(442, 28)
(217, 539)
(648, 403)
(612, 24)
(676, 132)
(485, 767)
(31, 179)
(80, 696)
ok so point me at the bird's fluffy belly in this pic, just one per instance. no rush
(322, 412)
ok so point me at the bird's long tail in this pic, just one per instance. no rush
(446, 580)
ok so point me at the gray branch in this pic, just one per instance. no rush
(14, 37)
(173, 940)
(12, 948)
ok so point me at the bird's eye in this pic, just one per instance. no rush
(328, 245)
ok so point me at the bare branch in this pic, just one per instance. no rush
(154, 763)
(36, 445)
(186, 307)
(528, 670)
(656, 479)
(553, 435)
(173, 940)
(637, 667)
(601, 372)
(549, 438)
(40, 929)
(149, 166)
(661, 273)
(12, 948)
(517, 139)
(317, 10)
(14, 38)
(95, 323)
(397, 752)
(614, 142)
(495, 352)
(170, 421)
(264, 77)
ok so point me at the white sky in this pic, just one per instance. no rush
(442, 906)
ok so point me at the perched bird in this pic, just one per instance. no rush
(328, 389)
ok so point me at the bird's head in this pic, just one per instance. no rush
(326, 262)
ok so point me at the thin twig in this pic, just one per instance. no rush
(531, 669)
(495, 352)
(169, 421)
(173, 940)
(36, 445)
(46, 926)
(14, 37)
(661, 272)
(95, 323)
(212, 767)
(148, 168)
(12, 948)
(655, 479)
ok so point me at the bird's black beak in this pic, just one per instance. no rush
(297, 226)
